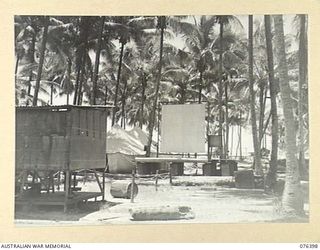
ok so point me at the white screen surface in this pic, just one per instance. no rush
(183, 128)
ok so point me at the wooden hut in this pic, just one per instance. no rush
(55, 143)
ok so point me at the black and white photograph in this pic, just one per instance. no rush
(161, 119)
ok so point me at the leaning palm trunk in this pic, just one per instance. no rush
(272, 173)
(292, 199)
(302, 82)
(257, 156)
(41, 61)
(16, 68)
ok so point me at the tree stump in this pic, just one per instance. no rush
(162, 213)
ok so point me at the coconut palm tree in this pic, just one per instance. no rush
(222, 21)
(162, 24)
(26, 31)
(292, 200)
(232, 68)
(97, 60)
(303, 64)
(199, 37)
(81, 57)
(272, 173)
(41, 60)
(127, 28)
(257, 156)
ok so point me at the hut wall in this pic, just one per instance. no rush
(41, 139)
(60, 138)
(88, 139)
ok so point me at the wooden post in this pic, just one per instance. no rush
(33, 177)
(208, 132)
(196, 165)
(98, 181)
(158, 136)
(132, 186)
(52, 181)
(170, 175)
(65, 181)
(74, 180)
(23, 181)
(157, 177)
(59, 180)
(48, 179)
(103, 185)
(67, 189)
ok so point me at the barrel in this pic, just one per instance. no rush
(177, 168)
(244, 179)
(210, 169)
(122, 189)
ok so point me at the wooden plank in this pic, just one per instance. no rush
(57, 198)
(169, 159)
(67, 190)
(98, 181)
(103, 185)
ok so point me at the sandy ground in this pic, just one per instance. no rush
(211, 198)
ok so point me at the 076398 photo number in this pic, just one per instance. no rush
(308, 245)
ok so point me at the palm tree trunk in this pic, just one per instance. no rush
(221, 155)
(302, 82)
(82, 75)
(41, 60)
(76, 90)
(183, 92)
(118, 83)
(261, 116)
(144, 84)
(68, 98)
(106, 95)
(200, 87)
(257, 156)
(81, 57)
(226, 145)
(231, 143)
(292, 200)
(31, 58)
(69, 78)
(16, 68)
(97, 61)
(263, 125)
(123, 104)
(240, 137)
(162, 21)
(272, 173)
(51, 93)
